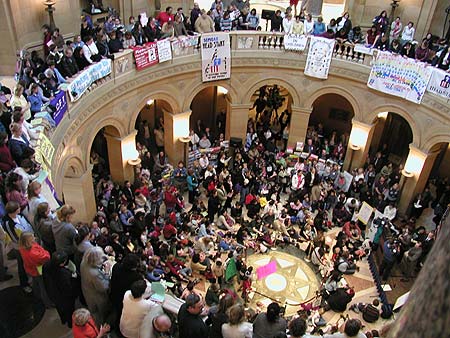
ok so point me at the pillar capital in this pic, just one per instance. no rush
(301, 110)
(240, 105)
(124, 138)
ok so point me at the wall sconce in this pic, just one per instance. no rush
(383, 115)
(49, 9)
(150, 102)
(134, 158)
(358, 137)
(180, 126)
(222, 90)
(353, 148)
(414, 164)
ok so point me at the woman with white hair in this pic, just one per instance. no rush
(85, 327)
(95, 283)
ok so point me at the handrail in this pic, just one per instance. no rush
(242, 42)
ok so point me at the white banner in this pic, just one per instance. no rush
(319, 57)
(439, 83)
(87, 77)
(361, 48)
(295, 42)
(216, 56)
(164, 50)
(399, 76)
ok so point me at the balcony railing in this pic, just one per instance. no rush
(243, 44)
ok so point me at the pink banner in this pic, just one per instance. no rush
(266, 270)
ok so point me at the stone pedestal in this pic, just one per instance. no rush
(79, 193)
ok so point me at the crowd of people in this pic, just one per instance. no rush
(256, 197)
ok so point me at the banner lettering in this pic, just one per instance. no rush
(295, 42)
(398, 76)
(216, 56)
(146, 55)
(87, 77)
(164, 50)
(60, 103)
(439, 83)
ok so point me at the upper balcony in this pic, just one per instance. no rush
(258, 58)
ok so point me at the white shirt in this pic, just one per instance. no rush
(204, 162)
(408, 33)
(309, 27)
(287, 24)
(133, 313)
(243, 330)
(90, 50)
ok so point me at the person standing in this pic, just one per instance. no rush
(191, 324)
(61, 285)
(268, 324)
(135, 308)
(34, 256)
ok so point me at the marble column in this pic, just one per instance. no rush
(313, 7)
(120, 150)
(237, 117)
(419, 164)
(79, 193)
(175, 126)
(299, 125)
(359, 144)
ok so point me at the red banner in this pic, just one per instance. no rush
(146, 55)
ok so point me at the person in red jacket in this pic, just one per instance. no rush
(84, 325)
(6, 160)
(170, 198)
(169, 231)
(34, 256)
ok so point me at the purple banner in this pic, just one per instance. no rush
(60, 103)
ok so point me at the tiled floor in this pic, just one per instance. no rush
(50, 326)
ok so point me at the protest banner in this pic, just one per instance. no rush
(164, 50)
(60, 104)
(146, 55)
(88, 76)
(319, 57)
(398, 76)
(295, 42)
(216, 56)
(439, 83)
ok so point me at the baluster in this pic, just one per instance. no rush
(273, 42)
(268, 42)
(349, 51)
(261, 42)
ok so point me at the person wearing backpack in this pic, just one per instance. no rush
(370, 312)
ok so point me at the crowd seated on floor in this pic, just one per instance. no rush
(135, 267)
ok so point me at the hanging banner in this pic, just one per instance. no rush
(146, 55)
(216, 56)
(398, 76)
(87, 77)
(439, 83)
(295, 42)
(164, 50)
(60, 104)
(319, 57)
(361, 48)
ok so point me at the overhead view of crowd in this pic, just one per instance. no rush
(133, 271)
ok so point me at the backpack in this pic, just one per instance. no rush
(370, 313)
(386, 311)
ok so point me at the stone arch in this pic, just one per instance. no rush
(247, 97)
(435, 139)
(157, 95)
(396, 109)
(197, 89)
(337, 90)
(115, 127)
